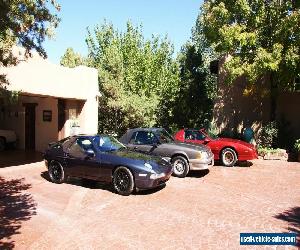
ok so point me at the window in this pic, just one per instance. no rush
(107, 143)
(194, 135)
(80, 146)
(143, 137)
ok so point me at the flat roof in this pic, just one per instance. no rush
(38, 76)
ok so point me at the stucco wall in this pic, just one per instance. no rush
(45, 132)
(234, 108)
(288, 107)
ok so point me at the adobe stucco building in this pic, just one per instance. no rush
(54, 102)
(234, 110)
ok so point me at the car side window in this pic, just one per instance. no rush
(194, 135)
(200, 135)
(188, 135)
(142, 138)
(80, 146)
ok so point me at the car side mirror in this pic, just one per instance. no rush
(90, 153)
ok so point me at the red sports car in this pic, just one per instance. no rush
(227, 150)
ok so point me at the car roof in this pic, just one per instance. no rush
(87, 135)
(145, 129)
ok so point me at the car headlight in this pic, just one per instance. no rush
(201, 155)
(156, 176)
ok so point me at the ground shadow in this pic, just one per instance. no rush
(198, 173)
(91, 184)
(241, 164)
(15, 207)
(9, 158)
(292, 216)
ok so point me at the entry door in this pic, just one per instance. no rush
(30, 126)
(61, 106)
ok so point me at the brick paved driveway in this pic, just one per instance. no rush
(198, 212)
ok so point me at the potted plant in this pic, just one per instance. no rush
(297, 147)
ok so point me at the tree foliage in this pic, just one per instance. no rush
(71, 59)
(138, 77)
(262, 38)
(194, 104)
(27, 24)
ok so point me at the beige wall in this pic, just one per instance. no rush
(45, 132)
(42, 82)
(83, 113)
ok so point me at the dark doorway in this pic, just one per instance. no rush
(61, 106)
(30, 125)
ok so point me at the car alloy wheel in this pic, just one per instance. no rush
(229, 157)
(123, 181)
(56, 172)
(180, 166)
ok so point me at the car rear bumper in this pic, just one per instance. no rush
(196, 164)
(145, 182)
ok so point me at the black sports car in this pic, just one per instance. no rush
(103, 158)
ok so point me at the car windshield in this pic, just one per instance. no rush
(164, 136)
(107, 143)
(209, 135)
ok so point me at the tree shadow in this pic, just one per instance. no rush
(15, 207)
(292, 216)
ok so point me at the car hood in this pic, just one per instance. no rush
(236, 141)
(126, 153)
(182, 146)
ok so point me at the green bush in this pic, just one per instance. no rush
(268, 135)
(262, 151)
(297, 145)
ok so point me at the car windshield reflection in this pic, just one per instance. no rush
(107, 143)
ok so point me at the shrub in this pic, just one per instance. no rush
(262, 151)
(212, 130)
(297, 145)
(268, 135)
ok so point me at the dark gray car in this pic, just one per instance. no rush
(158, 141)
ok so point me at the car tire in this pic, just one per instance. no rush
(228, 157)
(56, 172)
(181, 166)
(123, 181)
(2, 144)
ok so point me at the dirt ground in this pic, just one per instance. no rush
(206, 210)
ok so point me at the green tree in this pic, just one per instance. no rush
(71, 59)
(27, 24)
(261, 37)
(194, 102)
(138, 77)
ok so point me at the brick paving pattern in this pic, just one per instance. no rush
(198, 212)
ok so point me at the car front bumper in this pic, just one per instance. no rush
(201, 164)
(143, 181)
